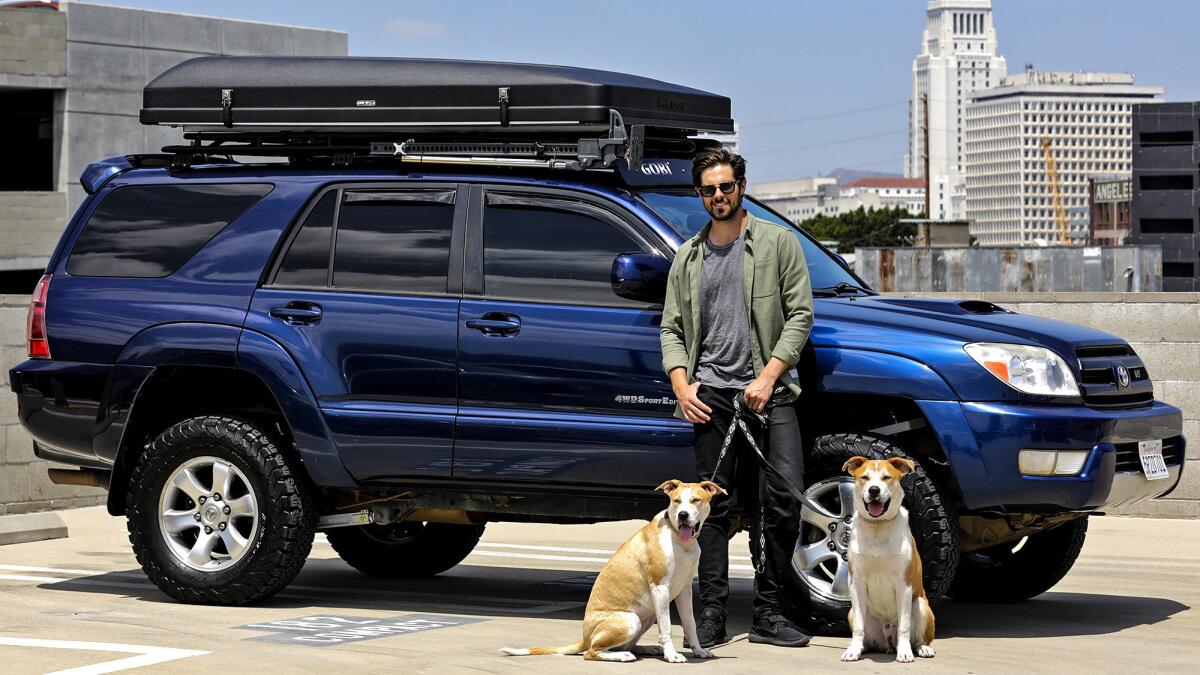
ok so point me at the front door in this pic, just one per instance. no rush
(365, 299)
(560, 379)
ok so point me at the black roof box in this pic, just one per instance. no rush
(332, 94)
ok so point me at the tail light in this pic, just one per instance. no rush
(35, 326)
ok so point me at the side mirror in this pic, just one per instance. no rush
(641, 276)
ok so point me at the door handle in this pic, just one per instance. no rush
(496, 324)
(298, 313)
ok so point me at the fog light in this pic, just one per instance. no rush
(1070, 462)
(1052, 462)
(1037, 462)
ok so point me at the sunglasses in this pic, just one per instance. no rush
(710, 190)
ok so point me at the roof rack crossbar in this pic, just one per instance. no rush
(592, 152)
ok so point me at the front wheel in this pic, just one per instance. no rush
(216, 513)
(819, 561)
(1017, 571)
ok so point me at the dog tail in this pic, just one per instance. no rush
(576, 648)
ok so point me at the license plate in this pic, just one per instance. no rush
(1152, 459)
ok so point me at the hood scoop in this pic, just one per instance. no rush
(956, 307)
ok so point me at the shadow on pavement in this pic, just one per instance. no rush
(1053, 615)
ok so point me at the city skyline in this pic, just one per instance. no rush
(842, 104)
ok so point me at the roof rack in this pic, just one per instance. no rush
(553, 151)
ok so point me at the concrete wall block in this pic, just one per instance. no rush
(1170, 360)
(1133, 322)
(1189, 484)
(311, 42)
(1184, 395)
(183, 33)
(19, 444)
(1076, 313)
(1191, 433)
(1161, 508)
(105, 67)
(105, 25)
(8, 409)
(1181, 322)
(12, 326)
(14, 483)
(242, 38)
(94, 136)
(26, 506)
(122, 102)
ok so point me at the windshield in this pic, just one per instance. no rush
(684, 212)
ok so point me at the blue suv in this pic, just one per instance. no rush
(243, 354)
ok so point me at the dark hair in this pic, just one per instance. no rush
(710, 157)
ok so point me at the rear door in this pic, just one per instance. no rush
(365, 299)
(560, 379)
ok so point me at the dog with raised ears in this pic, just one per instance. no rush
(635, 587)
(889, 611)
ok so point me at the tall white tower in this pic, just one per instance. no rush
(958, 56)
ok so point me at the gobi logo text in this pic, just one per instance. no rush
(672, 104)
(656, 169)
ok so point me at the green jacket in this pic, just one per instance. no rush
(778, 295)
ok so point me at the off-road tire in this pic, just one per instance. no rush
(287, 516)
(407, 550)
(998, 575)
(931, 516)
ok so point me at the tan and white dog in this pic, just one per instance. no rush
(635, 587)
(888, 608)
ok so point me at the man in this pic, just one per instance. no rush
(737, 313)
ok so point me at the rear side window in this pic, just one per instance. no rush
(307, 260)
(151, 230)
(394, 241)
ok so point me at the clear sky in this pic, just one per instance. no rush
(815, 85)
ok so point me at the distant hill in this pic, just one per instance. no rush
(844, 176)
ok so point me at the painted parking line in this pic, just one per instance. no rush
(330, 631)
(566, 558)
(561, 549)
(385, 598)
(145, 656)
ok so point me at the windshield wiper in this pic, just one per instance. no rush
(841, 287)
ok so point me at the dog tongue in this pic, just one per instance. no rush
(875, 509)
(686, 532)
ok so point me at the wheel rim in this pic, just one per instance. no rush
(821, 551)
(208, 514)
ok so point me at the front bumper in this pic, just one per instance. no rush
(982, 442)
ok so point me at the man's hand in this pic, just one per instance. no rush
(693, 408)
(759, 391)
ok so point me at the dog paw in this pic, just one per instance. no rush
(925, 652)
(904, 654)
(852, 653)
(624, 657)
(702, 653)
(674, 657)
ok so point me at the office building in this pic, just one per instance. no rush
(1166, 178)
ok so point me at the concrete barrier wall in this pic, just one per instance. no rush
(1164, 328)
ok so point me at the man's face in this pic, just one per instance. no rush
(721, 206)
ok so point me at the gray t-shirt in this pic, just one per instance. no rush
(724, 322)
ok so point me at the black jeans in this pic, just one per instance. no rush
(763, 498)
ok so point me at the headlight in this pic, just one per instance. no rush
(1033, 370)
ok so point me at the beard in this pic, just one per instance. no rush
(726, 211)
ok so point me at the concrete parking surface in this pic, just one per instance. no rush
(83, 603)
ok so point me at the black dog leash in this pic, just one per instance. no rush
(742, 412)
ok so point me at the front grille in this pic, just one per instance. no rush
(1128, 458)
(1098, 382)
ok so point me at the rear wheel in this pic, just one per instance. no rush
(1017, 571)
(819, 561)
(217, 515)
(405, 550)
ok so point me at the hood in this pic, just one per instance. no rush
(885, 323)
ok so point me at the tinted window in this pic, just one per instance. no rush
(394, 241)
(150, 230)
(684, 212)
(307, 260)
(550, 254)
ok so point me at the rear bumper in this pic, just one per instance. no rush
(982, 442)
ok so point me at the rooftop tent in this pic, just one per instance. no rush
(319, 94)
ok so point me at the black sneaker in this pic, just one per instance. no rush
(774, 629)
(711, 630)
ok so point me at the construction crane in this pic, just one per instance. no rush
(1060, 213)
